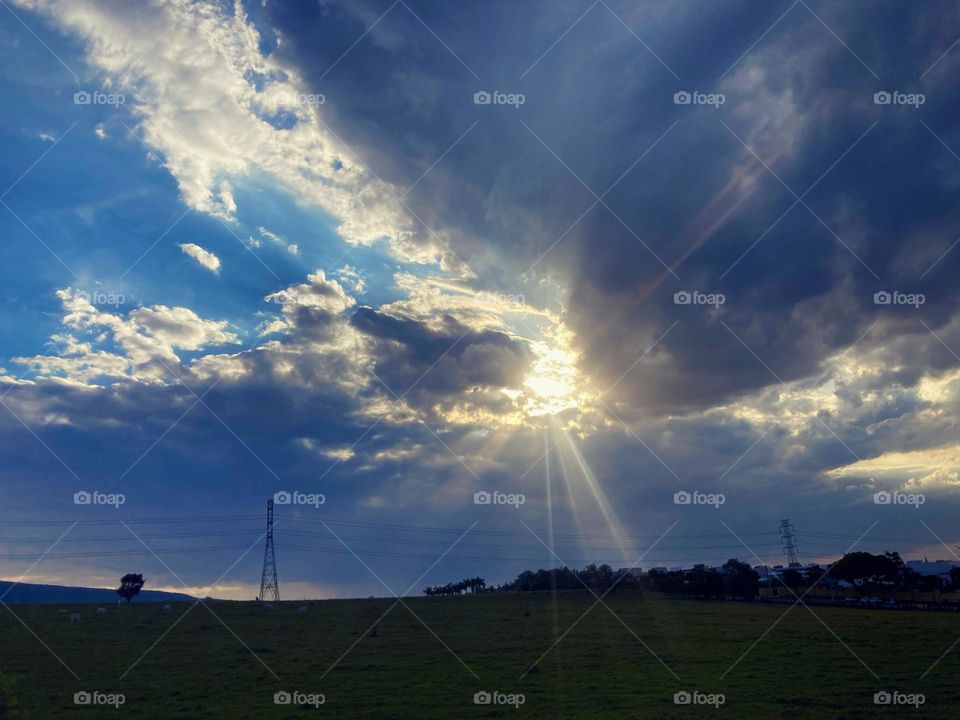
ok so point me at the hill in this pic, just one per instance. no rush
(28, 593)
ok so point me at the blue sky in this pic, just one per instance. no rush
(299, 255)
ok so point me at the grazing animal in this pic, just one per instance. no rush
(301, 611)
(101, 611)
(76, 618)
(269, 606)
(62, 611)
(167, 608)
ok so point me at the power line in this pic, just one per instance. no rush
(113, 553)
(128, 538)
(383, 526)
(307, 548)
(137, 521)
(876, 542)
(514, 533)
(354, 538)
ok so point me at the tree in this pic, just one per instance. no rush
(130, 585)
(929, 583)
(792, 578)
(704, 582)
(955, 577)
(739, 578)
(863, 569)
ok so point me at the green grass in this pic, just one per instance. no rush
(598, 670)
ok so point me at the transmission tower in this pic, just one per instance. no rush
(269, 587)
(788, 540)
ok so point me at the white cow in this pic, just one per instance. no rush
(101, 611)
(301, 610)
(167, 608)
(76, 618)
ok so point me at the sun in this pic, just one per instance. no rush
(554, 382)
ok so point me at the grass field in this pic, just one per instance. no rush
(199, 669)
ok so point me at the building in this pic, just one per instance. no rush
(932, 567)
(774, 575)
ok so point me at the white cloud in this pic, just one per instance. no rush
(292, 248)
(352, 278)
(206, 258)
(205, 95)
(271, 236)
(911, 468)
(144, 343)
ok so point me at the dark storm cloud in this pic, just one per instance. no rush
(456, 356)
(699, 200)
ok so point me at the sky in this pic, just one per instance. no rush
(587, 260)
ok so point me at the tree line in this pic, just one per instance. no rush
(476, 584)
(864, 571)
(595, 577)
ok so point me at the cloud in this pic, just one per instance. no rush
(913, 468)
(292, 248)
(204, 257)
(352, 277)
(99, 345)
(231, 112)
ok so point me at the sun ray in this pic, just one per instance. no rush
(568, 485)
(606, 509)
